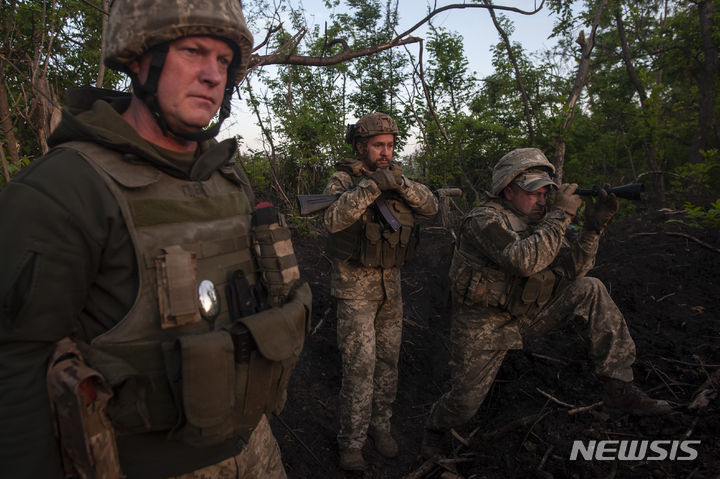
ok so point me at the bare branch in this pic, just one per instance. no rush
(271, 31)
(427, 95)
(348, 54)
(312, 61)
(518, 77)
(462, 5)
(99, 9)
(558, 158)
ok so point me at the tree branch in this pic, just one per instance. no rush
(518, 77)
(314, 61)
(348, 54)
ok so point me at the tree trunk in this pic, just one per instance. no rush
(6, 122)
(706, 83)
(657, 194)
(587, 44)
(101, 68)
(518, 78)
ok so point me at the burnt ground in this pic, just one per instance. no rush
(663, 279)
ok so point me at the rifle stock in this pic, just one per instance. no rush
(309, 204)
(631, 191)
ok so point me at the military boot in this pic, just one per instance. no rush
(433, 444)
(384, 443)
(351, 459)
(627, 397)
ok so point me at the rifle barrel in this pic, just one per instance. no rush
(631, 191)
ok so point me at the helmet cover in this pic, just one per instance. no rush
(136, 26)
(519, 161)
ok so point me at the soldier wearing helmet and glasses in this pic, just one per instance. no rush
(139, 335)
(518, 271)
(367, 252)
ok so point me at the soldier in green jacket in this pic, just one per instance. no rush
(140, 334)
(517, 271)
(366, 254)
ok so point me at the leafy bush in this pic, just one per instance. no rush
(698, 216)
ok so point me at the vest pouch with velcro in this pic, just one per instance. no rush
(176, 271)
(390, 247)
(536, 291)
(206, 388)
(279, 335)
(371, 247)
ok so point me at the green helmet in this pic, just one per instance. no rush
(516, 162)
(370, 125)
(136, 26)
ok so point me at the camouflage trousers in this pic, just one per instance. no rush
(474, 365)
(369, 334)
(260, 459)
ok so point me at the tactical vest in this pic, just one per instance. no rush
(478, 281)
(370, 242)
(169, 369)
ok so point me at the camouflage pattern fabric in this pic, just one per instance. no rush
(352, 281)
(260, 459)
(155, 22)
(369, 336)
(369, 310)
(481, 335)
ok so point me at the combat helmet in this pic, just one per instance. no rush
(138, 26)
(372, 124)
(516, 162)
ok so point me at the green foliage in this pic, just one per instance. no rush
(622, 129)
(699, 216)
(697, 183)
(54, 41)
(306, 226)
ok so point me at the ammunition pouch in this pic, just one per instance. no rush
(477, 285)
(78, 399)
(206, 388)
(274, 253)
(374, 245)
(532, 293)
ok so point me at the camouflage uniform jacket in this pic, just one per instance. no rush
(351, 280)
(498, 248)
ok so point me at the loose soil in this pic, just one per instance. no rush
(663, 275)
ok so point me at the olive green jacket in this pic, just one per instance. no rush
(69, 269)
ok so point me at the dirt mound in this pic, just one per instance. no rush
(663, 276)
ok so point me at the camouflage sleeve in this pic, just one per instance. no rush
(352, 202)
(519, 256)
(577, 257)
(419, 197)
(52, 238)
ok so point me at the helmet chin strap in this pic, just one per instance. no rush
(147, 92)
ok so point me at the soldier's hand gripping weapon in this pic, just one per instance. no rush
(309, 204)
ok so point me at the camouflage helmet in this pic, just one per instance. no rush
(136, 26)
(370, 125)
(516, 162)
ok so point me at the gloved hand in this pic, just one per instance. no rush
(599, 212)
(567, 200)
(396, 169)
(385, 179)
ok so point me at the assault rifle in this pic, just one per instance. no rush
(631, 191)
(309, 204)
